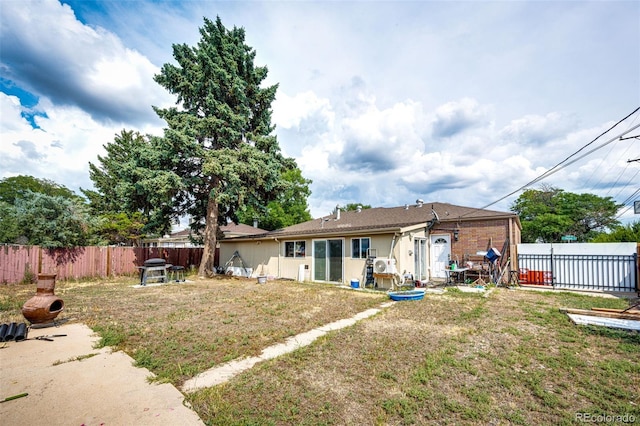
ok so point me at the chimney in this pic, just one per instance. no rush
(255, 223)
(337, 212)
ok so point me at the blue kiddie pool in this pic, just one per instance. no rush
(399, 296)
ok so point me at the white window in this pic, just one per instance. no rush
(359, 247)
(294, 249)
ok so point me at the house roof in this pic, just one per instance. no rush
(384, 219)
(240, 229)
(231, 230)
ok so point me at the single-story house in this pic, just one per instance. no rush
(418, 241)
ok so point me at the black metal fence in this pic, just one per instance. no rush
(614, 273)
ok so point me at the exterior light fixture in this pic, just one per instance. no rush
(456, 234)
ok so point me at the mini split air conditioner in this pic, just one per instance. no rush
(384, 266)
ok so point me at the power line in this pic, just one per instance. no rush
(631, 196)
(627, 184)
(561, 165)
(628, 200)
(599, 168)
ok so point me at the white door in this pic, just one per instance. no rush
(440, 255)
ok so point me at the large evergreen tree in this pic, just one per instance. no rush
(134, 179)
(219, 138)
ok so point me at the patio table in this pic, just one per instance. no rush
(455, 275)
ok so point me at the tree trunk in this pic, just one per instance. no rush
(207, 266)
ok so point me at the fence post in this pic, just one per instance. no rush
(39, 261)
(108, 261)
(553, 275)
(635, 259)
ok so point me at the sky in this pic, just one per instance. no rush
(380, 103)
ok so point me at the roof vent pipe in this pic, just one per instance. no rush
(359, 208)
(337, 212)
(406, 206)
(419, 202)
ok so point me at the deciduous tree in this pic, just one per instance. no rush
(16, 187)
(356, 206)
(52, 221)
(549, 213)
(629, 233)
(289, 208)
(134, 178)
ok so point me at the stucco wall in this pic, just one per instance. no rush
(261, 256)
(268, 257)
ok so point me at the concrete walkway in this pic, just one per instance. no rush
(68, 382)
(225, 372)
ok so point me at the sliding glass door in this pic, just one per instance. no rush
(327, 260)
(420, 258)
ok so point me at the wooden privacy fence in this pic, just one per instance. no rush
(24, 263)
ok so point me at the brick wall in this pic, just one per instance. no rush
(475, 236)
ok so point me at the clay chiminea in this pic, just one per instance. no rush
(44, 306)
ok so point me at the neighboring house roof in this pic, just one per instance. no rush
(180, 238)
(229, 231)
(235, 230)
(181, 234)
(384, 219)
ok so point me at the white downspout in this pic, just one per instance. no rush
(279, 253)
(393, 243)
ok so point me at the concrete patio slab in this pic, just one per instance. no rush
(68, 382)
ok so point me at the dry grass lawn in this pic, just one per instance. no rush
(456, 358)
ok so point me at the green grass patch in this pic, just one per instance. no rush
(110, 335)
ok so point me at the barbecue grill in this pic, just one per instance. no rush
(154, 269)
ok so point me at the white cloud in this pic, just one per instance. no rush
(10, 119)
(290, 111)
(60, 150)
(456, 117)
(75, 64)
(381, 139)
(379, 103)
(538, 130)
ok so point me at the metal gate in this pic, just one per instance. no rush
(616, 273)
